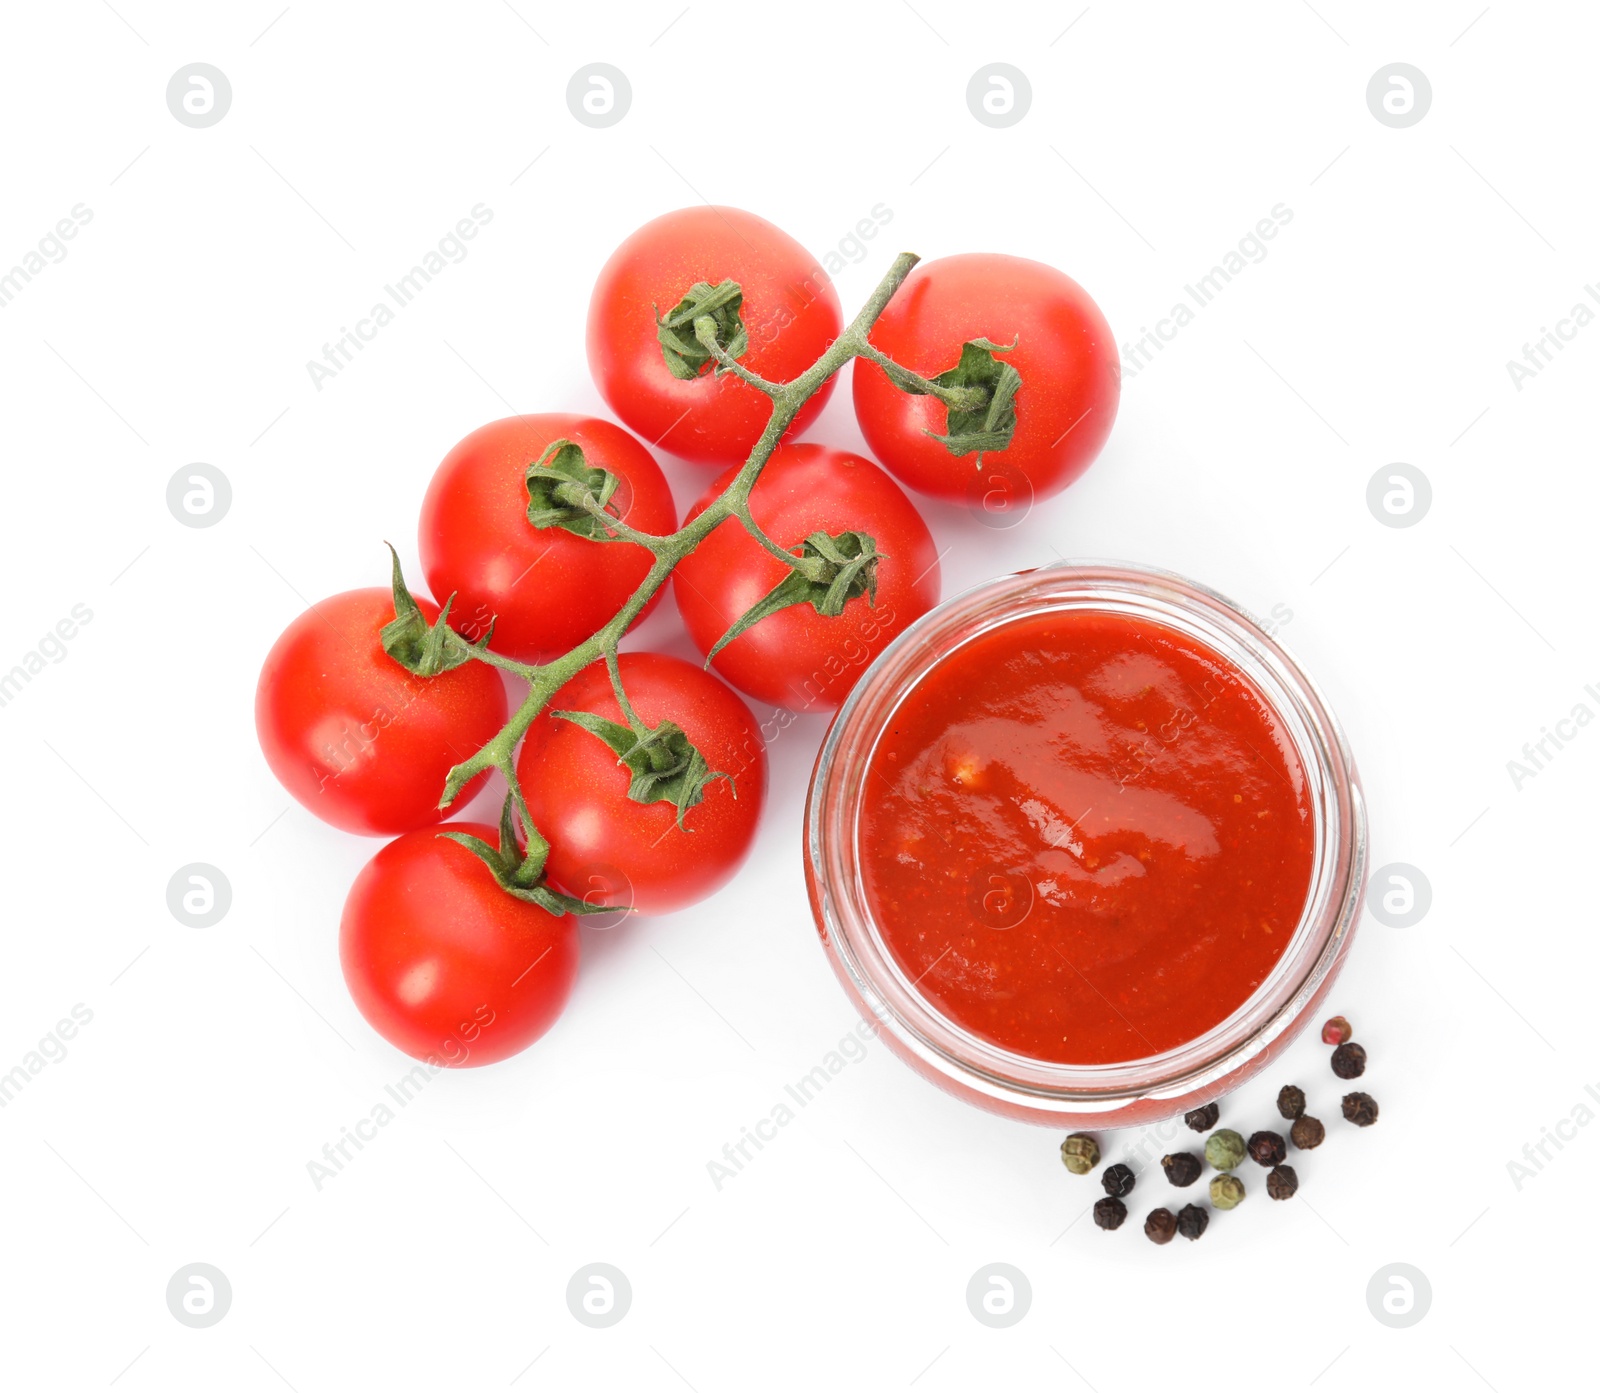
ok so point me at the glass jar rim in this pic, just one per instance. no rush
(1005, 1077)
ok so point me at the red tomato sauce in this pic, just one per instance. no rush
(1087, 837)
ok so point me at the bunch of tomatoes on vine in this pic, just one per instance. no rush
(633, 781)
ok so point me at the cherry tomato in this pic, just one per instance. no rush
(546, 589)
(790, 312)
(442, 962)
(605, 847)
(798, 658)
(355, 737)
(1064, 353)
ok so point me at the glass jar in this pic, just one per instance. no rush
(1103, 1095)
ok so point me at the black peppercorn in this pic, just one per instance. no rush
(1307, 1133)
(1360, 1108)
(1267, 1148)
(1349, 1060)
(1282, 1182)
(1182, 1168)
(1192, 1221)
(1160, 1226)
(1202, 1119)
(1110, 1212)
(1118, 1180)
(1291, 1101)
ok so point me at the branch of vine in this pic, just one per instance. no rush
(545, 679)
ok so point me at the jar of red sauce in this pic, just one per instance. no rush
(1086, 845)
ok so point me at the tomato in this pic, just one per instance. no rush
(442, 962)
(608, 849)
(355, 737)
(1064, 353)
(798, 658)
(546, 589)
(790, 311)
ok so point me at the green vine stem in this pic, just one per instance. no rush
(545, 679)
(955, 398)
(614, 668)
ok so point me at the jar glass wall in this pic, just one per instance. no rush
(978, 1070)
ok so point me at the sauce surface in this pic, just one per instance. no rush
(1087, 837)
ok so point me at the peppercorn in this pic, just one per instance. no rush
(1282, 1182)
(1227, 1191)
(1110, 1212)
(1224, 1149)
(1349, 1060)
(1160, 1226)
(1307, 1133)
(1192, 1221)
(1080, 1153)
(1202, 1119)
(1117, 1180)
(1182, 1168)
(1359, 1108)
(1335, 1030)
(1267, 1148)
(1291, 1101)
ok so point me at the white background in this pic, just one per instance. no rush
(219, 1061)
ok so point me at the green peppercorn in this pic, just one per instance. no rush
(1117, 1180)
(1110, 1212)
(1291, 1102)
(1307, 1133)
(1282, 1182)
(1267, 1148)
(1202, 1119)
(1227, 1191)
(1349, 1060)
(1160, 1226)
(1359, 1108)
(1192, 1221)
(1080, 1153)
(1224, 1149)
